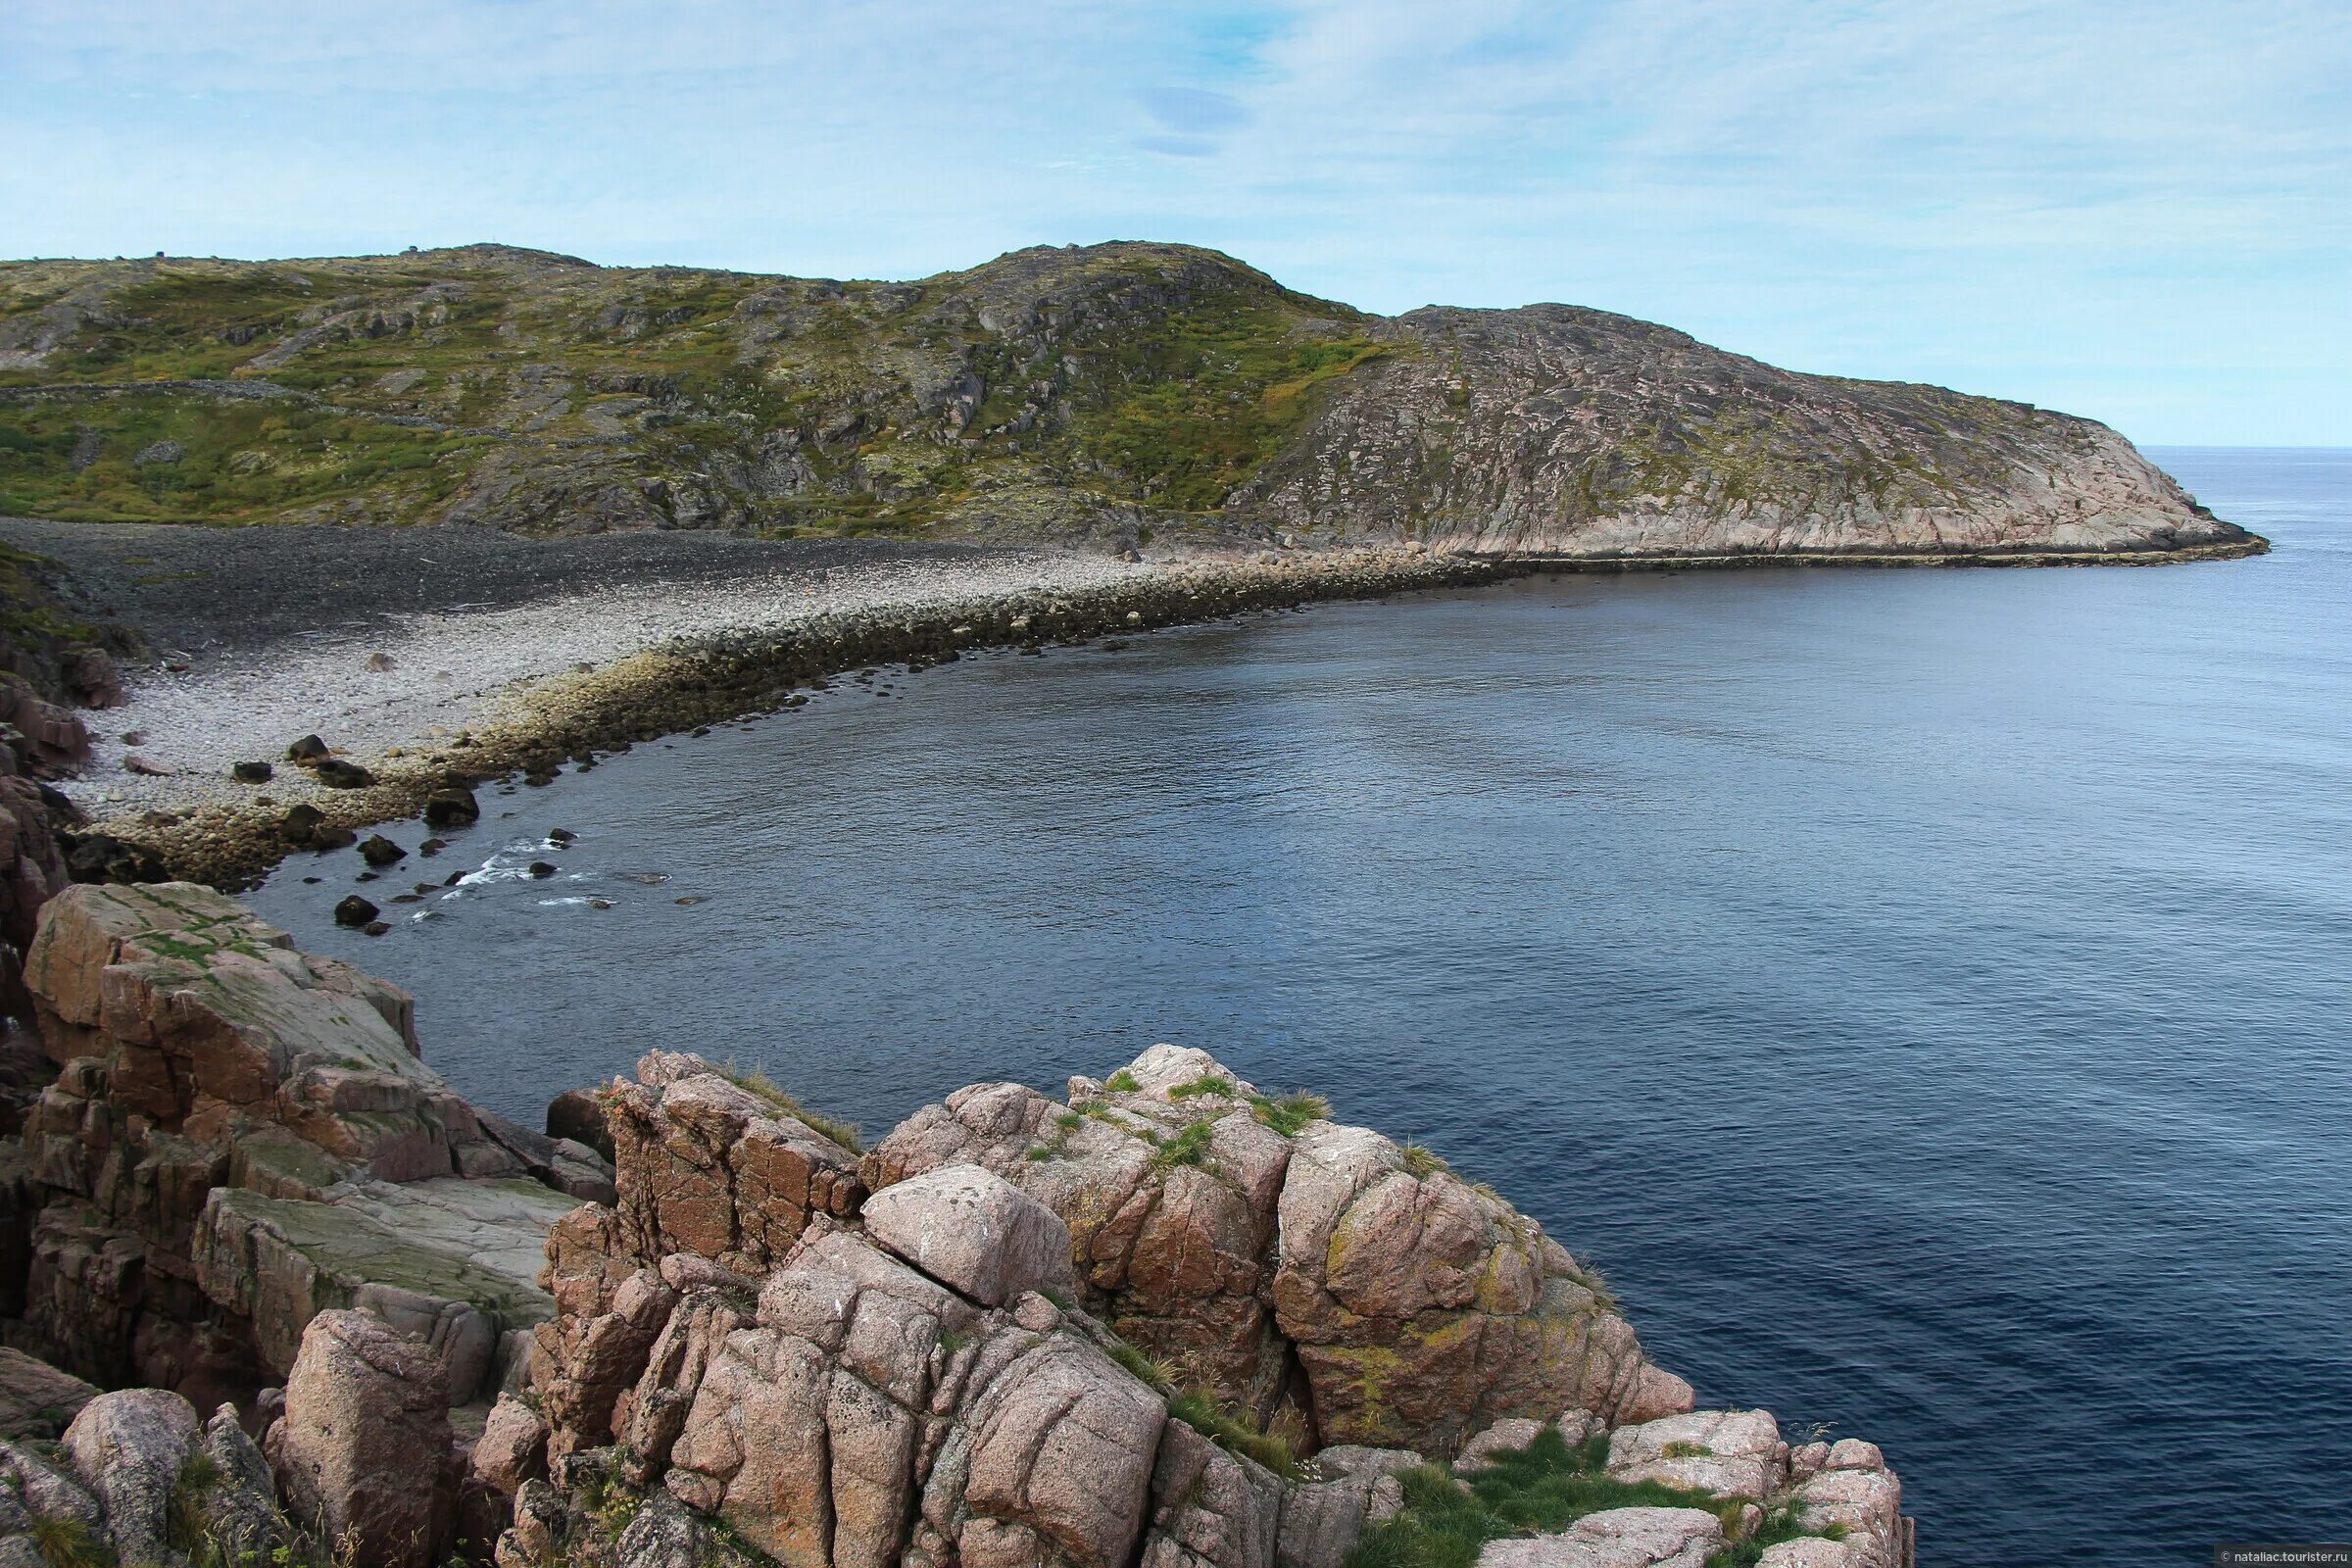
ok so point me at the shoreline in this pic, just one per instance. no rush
(531, 701)
(534, 724)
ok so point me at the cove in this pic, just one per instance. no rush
(1921, 992)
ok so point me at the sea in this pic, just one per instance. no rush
(1927, 994)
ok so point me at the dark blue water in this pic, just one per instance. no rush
(1927, 993)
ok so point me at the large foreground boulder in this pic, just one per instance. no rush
(364, 1448)
(975, 1232)
(128, 1448)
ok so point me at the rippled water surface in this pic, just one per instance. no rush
(1926, 993)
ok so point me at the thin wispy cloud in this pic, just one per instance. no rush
(2138, 210)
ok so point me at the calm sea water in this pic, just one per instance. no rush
(1927, 994)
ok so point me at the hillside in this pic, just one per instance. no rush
(1117, 393)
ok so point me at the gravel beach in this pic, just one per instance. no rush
(383, 639)
(438, 656)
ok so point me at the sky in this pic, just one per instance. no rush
(2138, 209)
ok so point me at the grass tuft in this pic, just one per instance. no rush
(1154, 1372)
(1291, 1115)
(1542, 1489)
(758, 1082)
(1121, 1082)
(187, 1518)
(69, 1544)
(1187, 1147)
(1422, 1160)
(1212, 1083)
(1233, 1433)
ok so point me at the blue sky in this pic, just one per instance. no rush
(2137, 210)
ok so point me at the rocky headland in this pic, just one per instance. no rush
(526, 510)
(1131, 395)
(286, 1298)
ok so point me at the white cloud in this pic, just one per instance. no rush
(2004, 194)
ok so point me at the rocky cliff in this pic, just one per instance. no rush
(1120, 393)
(1169, 1321)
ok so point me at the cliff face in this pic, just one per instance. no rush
(1556, 432)
(1120, 393)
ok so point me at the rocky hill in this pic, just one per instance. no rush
(1120, 394)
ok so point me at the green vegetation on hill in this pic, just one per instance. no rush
(1113, 392)
(509, 387)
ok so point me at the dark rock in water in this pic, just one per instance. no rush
(354, 911)
(379, 850)
(454, 806)
(407, 898)
(540, 868)
(576, 1115)
(691, 899)
(562, 835)
(432, 846)
(312, 881)
(333, 838)
(307, 752)
(364, 876)
(539, 778)
(252, 772)
(337, 774)
(599, 904)
(374, 928)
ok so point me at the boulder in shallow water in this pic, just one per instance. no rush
(452, 807)
(379, 852)
(355, 911)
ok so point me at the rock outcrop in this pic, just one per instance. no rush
(238, 1137)
(1170, 1322)
(1290, 1263)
